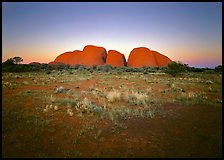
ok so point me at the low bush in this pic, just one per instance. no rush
(114, 96)
(174, 68)
(136, 98)
(218, 68)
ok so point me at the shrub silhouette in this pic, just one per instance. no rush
(17, 60)
(218, 68)
(8, 62)
(14, 60)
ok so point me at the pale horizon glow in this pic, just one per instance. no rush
(188, 32)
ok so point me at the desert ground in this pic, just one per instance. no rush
(78, 113)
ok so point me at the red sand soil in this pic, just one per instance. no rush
(179, 131)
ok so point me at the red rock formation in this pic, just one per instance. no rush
(161, 59)
(93, 55)
(142, 56)
(70, 58)
(115, 59)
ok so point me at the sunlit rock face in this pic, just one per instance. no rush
(161, 59)
(91, 55)
(143, 56)
(115, 59)
(94, 55)
(71, 58)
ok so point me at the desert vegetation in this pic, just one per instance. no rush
(60, 111)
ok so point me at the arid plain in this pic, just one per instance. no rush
(114, 113)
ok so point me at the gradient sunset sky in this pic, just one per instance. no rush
(187, 31)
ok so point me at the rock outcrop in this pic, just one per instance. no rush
(143, 56)
(93, 55)
(161, 59)
(70, 58)
(116, 59)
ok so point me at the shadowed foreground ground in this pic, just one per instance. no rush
(177, 127)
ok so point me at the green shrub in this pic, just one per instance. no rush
(94, 67)
(66, 101)
(121, 69)
(218, 68)
(88, 106)
(18, 68)
(193, 69)
(136, 98)
(106, 68)
(114, 96)
(174, 68)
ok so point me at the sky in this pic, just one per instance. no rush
(189, 32)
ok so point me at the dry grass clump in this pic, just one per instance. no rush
(124, 113)
(25, 82)
(97, 92)
(71, 92)
(83, 105)
(191, 94)
(59, 89)
(114, 96)
(69, 111)
(149, 90)
(10, 85)
(49, 107)
(87, 106)
(208, 82)
(55, 108)
(192, 98)
(52, 99)
(136, 98)
(66, 101)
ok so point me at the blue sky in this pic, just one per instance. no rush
(190, 32)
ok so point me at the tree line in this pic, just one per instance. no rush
(173, 68)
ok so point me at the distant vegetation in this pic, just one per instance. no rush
(14, 60)
(173, 68)
(218, 68)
